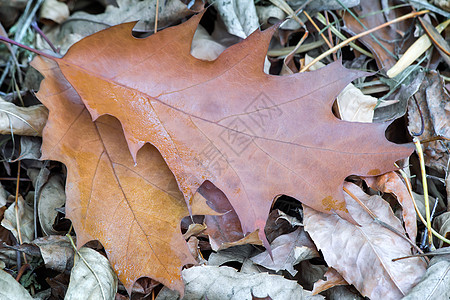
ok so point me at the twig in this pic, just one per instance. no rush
(16, 208)
(347, 41)
(156, 16)
(425, 189)
(318, 29)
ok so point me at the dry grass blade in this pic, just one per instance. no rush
(355, 37)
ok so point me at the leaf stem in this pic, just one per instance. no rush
(38, 52)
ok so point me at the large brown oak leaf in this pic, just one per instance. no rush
(134, 211)
(253, 135)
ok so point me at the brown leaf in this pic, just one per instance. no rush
(254, 136)
(433, 107)
(134, 211)
(287, 250)
(363, 254)
(333, 279)
(392, 183)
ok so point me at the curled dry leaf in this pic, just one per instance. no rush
(354, 106)
(436, 282)
(392, 183)
(343, 244)
(56, 251)
(10, 289)
(22, 120)
(26, 220)
(92, 277)
(54, 10)
(219, 283)
(287, 251)
(50, 197)
(134, 211)
(227, 121)
(333, 278)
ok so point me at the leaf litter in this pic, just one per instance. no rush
(157, 248)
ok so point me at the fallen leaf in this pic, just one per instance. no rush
(434, 109)
(344, 244)
(442, 224)
(333, 278)
(287, 251)
(392, 183)
(204, 46)
(92, 277)
(435, 284)
(54, 10)
(22, 120)
(219, 283)
(26, 220)
(134, 211)
(354, 106)
(227, 121)
(239, 253)
(56, 251)
(10, 289)
(51, 196)
(30, 147)
(239, 16)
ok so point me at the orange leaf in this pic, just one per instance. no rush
(134, 211)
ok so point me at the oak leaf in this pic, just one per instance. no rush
(134, 211)
(253, 135)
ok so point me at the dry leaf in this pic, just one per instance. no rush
(134, 211)
(354, 106)
(56, 251)
(26, 220)
(227, 121)
(51, 196)
(344, 244)
(219, 283)
(239, 16)
(10, 289)
(92, 277)
(434, 105)
(54, 10)
(22, 120)
(442, 224)
(287, 251)
(392, 183)
(333, 278)
(436, 282)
